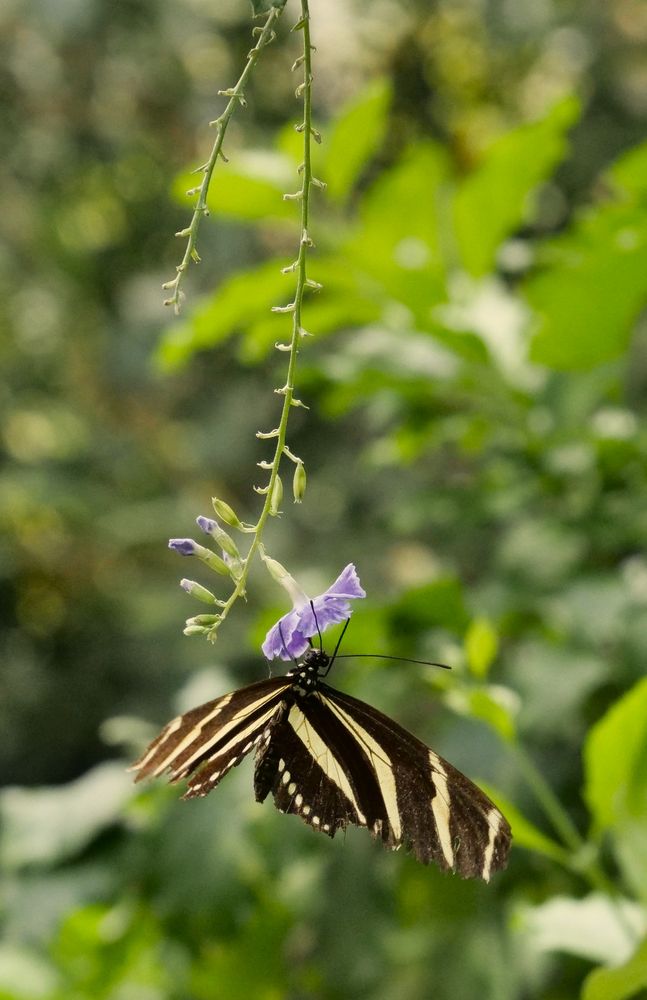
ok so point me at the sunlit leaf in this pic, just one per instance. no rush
(621, 982)
(493, 201)
(481, 646)
(593, 280)
(355, 136)
(250, 187)
(615, 756)
(596, 927)
(399, 241)
(495, 705)
(238, 301)
(41, 826)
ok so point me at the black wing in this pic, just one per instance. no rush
(206, 742)
(334, 760)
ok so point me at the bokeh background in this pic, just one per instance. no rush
(476, 444)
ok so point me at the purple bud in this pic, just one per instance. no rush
(207, 524)
(183, 546)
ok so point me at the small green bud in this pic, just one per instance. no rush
(299, 482)
(277, 496)
(197, 590)
(274, 567)
(203, 620)
(195, 630)
(211, 560)
(225, 513)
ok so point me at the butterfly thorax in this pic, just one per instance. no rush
(306, 674)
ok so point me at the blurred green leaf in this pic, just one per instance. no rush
(439, 603)
(399, 241)
(596, 927)
(481, 646)
(25, 974)
(42, 826)
(493, 200)
(493, 704)
(592, 280)
(619, 983)
(250, 187)
(355, 137)
(238, 301)
(615, 758)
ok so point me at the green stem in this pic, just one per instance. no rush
(583, 855)
(236, 98)
(287, 391)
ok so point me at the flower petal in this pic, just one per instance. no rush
(285, 639)
(327, 611)
(347, 584)
(185, 546)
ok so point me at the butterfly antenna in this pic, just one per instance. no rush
(285, 646)
(384, 656)
(314, 613)
(339, 641)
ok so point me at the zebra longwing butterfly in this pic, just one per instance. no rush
(334, 760)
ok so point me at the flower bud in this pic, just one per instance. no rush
(203, 620)
(281, 575)
(277, 496)
(211, 527)
(299, 482)
(195, 630)
(197, 590)
(225, 513)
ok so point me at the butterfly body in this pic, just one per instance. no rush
(335, 761)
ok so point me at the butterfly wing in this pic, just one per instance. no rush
(429, 805)
(203, 744)
(310, 774)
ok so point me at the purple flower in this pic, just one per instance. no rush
(288, 639)
(185, 546)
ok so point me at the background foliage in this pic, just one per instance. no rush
(476, 444)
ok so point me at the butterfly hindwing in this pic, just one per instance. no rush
(294, 767)
(436, 810)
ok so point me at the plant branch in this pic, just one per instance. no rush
(274, 486)
(236, 97)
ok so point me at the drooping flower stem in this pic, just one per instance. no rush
(272, 492)
(236, 97)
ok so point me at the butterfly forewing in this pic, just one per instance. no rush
(206, 742)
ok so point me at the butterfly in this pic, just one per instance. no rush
(334, 761)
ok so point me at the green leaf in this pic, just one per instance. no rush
(438, 604)
(42, 826)
(481, 646)
(620, 983)
(493, 200)
(615, 757)
(355, 137)
(495, 705)
(597, 928)
(251, 189)
(237, 302)
(593, 282)
(398, 243)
